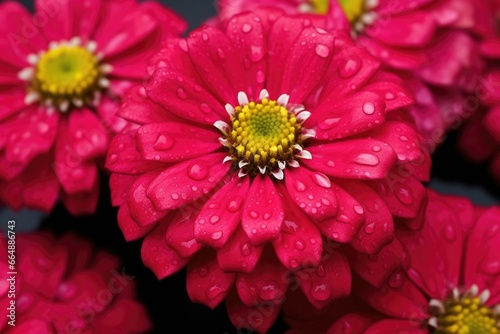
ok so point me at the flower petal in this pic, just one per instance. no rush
(206, 283)
(82, 203)
(120, 185)
(138, 108)
(141, 208)
(312, 192)
(263, 211)
(330, 281)
(40, 184)
(158, 257)
(172, 142)
(180, 232)
(187, 181)
(396, 326)
(130, 229)
(221, 214)
(353, 159)
(238, 254)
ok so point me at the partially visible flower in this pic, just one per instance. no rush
(62, 72)
(63, 286)
(453, 282)
(480, 138)
(431, 43)
(265, 141)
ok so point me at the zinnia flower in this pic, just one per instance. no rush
(63, 71)
(63, 286)
(452, 283)
(431, 43)
(263, 141)
(480, 138)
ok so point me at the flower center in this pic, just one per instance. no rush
(265, 136)
(466, 314)
(66, 75)
(321, 6)
(353, 9)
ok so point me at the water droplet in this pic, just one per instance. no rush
(163, 142)
(216, 235)
(203, 271)
(368, 108)
(328, 123)
(403, 138)
(350, 67)
(300, 186)
(367, 159)
(43, 127)
(245, 249)
(299, 244)
(181, 94)
(214, 292)
(389, 96)
(369, 228)
(320, 271)
(214, 219)
(204, 36)
(322, 50)
(376, 148)
(197, 171)
(404, 194)
(450, 233)
(492, 231)
(396, 280)
(269, 291)
(320, 292)
(359, 209)
(322, 180)
(205, 108)
(335, 235)
(260, 76)
(254, 214)
(246, 28)
(221, 53)
(234, 204)
(175, 196)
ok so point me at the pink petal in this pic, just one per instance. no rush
(395, 326)
(11, 193)
(267, 283)
(135, 27)
(356, 113)
(217, 63)
(238, 254)
(130, 229)
(33, 326)
(138, 108)
(180, 232)
(247, 36)
(353, 159)
(331, 280)
(173, 54)
(120, 185)
(141, 207)
(299, 245)
(414, 29)
(187, 181)
(378, 228)
(123, 156)
(172, 142)
(221, 214)
(311, 52)
(107, 114)
(392, 88)
(312, 192)
(129, 314)
(258, 318)
(87, 135)
(82, 203)
(402, 193)
(20, 36)
(263, 211)
(34, 135)
(184, 97)
(158, 257)
(40, 184)
(482, 259)
(351, 323)
(286, 29)
(206, 283)
(11, 101)
(376, 269)
(350, 217)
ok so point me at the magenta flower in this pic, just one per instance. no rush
(458, 290)
(63, 286)
(429, 42)
(63, 71)
(265, 141)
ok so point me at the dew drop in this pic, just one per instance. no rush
(246, 28)
(216, 235)
(300, 186)
(205, 108)
(358, 209)
(368, 108)
(269, 291)
(299, 244)
(367, 159)
(450, 233)
(322, 180)
(181, 93)
(320, 271)
(214, 219)
(234, 204)
(376, 148)
(254, 214)
(351, 67)
(43, 127)
(404, 195)
(320, 292)
(369, 228)
(163, 142)
(214, 292)
(491, 267)
(203, 271)
(197, 171)
(322, 50)
(175, 196)
(245, 249)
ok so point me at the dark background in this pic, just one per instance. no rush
(167, 300)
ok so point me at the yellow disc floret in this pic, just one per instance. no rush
(467, 315)
(353, 9)
(320, 6)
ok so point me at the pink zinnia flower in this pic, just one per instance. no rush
(263, 141)
(480, 138)
(63, 71)
(430, 42)
(63, 286)
(452, 284)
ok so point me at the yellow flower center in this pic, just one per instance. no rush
(320, 6)
(68, 74)
(353, 9)
(263, 134)
(467, 315)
